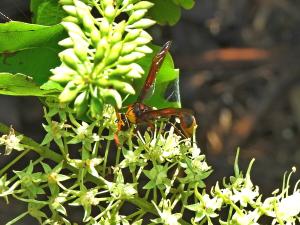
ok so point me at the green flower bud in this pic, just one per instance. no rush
(143, 24)
(88, 23)
(112, 97)
(117, 84)
(137, 67)
(73, 27)
(128, 47)
(118, 32)
(67, 43)
(81, 104)
(136, 71)
(70, 91)
(134, 74)
(95, 36)
(126, 59)
(81, 51)
(136, 16)
(65, 2)
(100, 51)
(110, 12)
(71, 10)
(71, 19)
(144, 49)
(142, 5)
(132, 35)
(128, 6)
(82, 9)
(107, 3)
(143, 39)
(104, 27)
(62, 74)
(114, 53)
(69, 58)
(120, 70)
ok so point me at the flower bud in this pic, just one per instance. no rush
(118, 32)
(142, 5)
(62, 74)
(88, 23)
(69, 58)
(95, 36)
(128, 47)
(110, 13)
(70, 9)
(144, 49)
(73, 27)
(100, 50)
(70, 91)
(81, 51)
(137, 67)
(65, 2)
(120, 70)
(117, 84)
(114, 53)
(81, 104)
(112, 97)
(143, 24)
(136, 16)
(71, 19)
(126, 59)
(134, 74)
(132, 35)
(67, 43)
(104, 27)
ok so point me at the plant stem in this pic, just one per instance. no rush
(17, 218)
(14, 161)
(105, 158)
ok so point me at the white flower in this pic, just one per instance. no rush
(11, 141)
(245, 196)
(289, 206)
(246, 219)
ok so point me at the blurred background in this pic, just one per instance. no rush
(240, 73)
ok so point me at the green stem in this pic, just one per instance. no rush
(105, 158)
(17, 218)
(14, 161)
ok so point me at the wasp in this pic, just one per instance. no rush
(140, 113)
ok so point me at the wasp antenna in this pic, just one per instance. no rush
(167, 45)
(4, 16)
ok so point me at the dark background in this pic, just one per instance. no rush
(240, 73)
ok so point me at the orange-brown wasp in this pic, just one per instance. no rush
(138, 112)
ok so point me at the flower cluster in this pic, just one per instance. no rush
(98, 63)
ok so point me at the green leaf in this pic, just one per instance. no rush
(186, 4)
(16, 36)
(165, 12)
(20, 85)
(47, 12)
(166, 87)
(30, 49)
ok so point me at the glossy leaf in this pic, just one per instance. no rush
(186, 4)
(169, 11)
(20, 85)
(165, 12)
(47, 12)
(30, 49)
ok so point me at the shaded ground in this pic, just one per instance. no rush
(239, 61)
